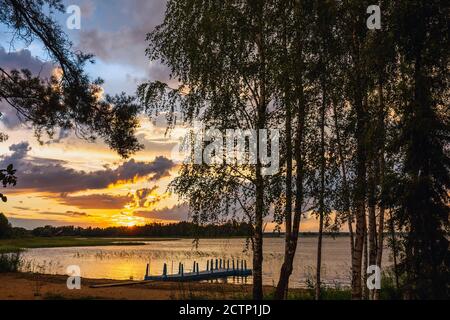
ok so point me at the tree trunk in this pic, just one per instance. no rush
(376, 295)
(345, 187)
(291, 243)
(319, 258)
(360, 195)
(261, 124)
(372, 230)
(257, 250)
(259, 215)
(365, 290)
(394, 250)
(322, 192)
(381, 164)
(291, 248)
(359, 91)
(284, 281)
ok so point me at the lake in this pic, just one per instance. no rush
(129, 262)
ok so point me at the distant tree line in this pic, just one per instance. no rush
(180, 229)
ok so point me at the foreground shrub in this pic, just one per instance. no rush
(10, 262)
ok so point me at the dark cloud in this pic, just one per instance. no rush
(65, 214)
(76, 213)
(20, 60)
(19, 152)
(96, 201)
(23, 59)
(161, 144)
(25, 209)
(178, 212)
(125, 42)
(34, 223)
(48, 175)
(142, 195)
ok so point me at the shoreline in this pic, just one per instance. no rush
(19, 244)
(35, 286)
(32, 286)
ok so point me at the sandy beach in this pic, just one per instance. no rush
(26, 286)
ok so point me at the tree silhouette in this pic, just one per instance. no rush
(5, 227)
(70, 101)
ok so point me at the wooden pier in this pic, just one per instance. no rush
(215, 269)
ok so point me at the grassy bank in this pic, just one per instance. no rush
(12, 245)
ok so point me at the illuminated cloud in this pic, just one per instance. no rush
(178, 213)
(146, 196)
(96, 201)
(48, 175)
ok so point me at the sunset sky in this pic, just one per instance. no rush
(71, 181)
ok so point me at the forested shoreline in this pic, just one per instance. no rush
(159, 230)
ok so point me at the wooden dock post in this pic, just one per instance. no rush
(215, 270)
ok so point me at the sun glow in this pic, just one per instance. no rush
(126, 220)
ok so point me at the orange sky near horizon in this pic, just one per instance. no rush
(82, 156)
(125, 203)
(69, 181)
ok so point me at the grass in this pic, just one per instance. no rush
(57, 296)
(10, 262)
(13, 245)
(227, 292)
(308, 294)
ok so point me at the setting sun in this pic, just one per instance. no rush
(125, 220)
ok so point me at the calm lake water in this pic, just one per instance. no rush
(129, 262)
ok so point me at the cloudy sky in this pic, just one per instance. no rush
(71, 181)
